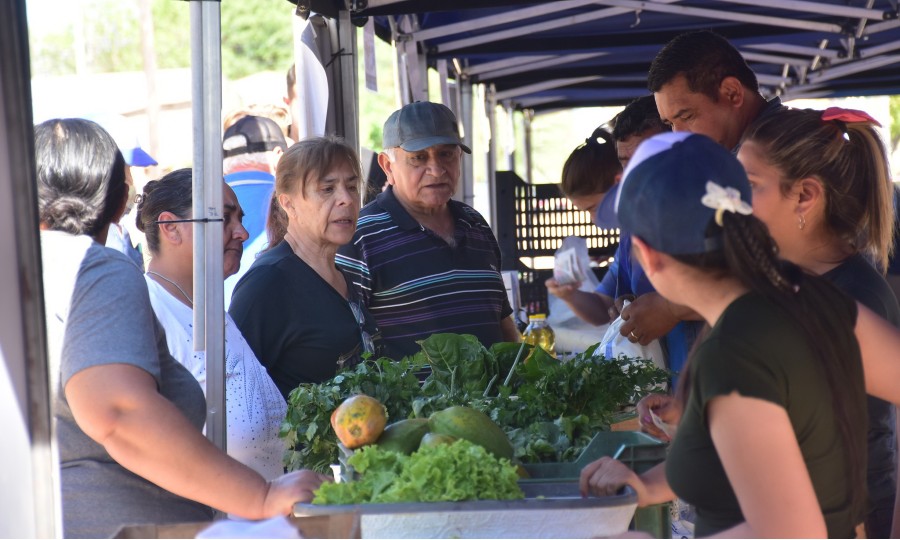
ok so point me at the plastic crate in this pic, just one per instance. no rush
(532, 221)
(638, 451)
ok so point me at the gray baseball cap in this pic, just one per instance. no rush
(421, 125)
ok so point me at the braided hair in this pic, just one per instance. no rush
(750, 255)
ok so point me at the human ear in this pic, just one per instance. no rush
(649, 259)
(284, 201)
(809, 192)
(732, 91)
(384, 161)
(169, 231)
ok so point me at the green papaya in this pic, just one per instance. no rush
(474, 426)
(403, 436)
(434, 439)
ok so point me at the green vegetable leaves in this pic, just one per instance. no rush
(461, 471)
(550, 409)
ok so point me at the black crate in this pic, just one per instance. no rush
(532, 221)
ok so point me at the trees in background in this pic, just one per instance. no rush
(105, 36)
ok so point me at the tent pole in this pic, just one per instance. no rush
(491, 104)
(209, 312)
(528, 116)
(465, 110)
(349, 83)
(29, 458)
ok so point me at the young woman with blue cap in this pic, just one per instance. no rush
(772, 438)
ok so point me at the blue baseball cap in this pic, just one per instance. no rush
(674, 186)
(421, 125)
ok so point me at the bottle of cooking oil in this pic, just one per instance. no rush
(539, 333)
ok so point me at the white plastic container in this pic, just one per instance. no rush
(549, 515)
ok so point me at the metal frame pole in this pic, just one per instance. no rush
(348, 83)
(527, 117)
(209, 312)
(465, 110)
(491, 104)
(29, 457)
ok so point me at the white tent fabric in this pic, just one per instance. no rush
(312, 84)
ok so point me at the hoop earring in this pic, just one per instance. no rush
(801, 222)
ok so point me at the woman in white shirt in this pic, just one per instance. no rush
(254, 406)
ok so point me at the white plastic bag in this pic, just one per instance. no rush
(614, 344)
(571, 263)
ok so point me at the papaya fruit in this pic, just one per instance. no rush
(359, 420)
(403, 436)
(435, 439)
(472, 425)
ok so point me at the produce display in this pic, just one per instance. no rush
(459, 471)
(541, 409)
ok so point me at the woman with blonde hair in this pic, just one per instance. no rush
(822, 186)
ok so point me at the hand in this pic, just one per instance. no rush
(563, 292)
(293, 487)
(607, 476)
(666, 408)
(616, 309)
(647, 318)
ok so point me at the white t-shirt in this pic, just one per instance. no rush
(254, 406)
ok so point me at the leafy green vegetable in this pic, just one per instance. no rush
(307, 428)
(461, 471)
(550, 410)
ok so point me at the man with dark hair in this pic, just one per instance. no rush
(702, 84)
(638, 121)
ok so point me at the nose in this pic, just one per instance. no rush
(678, 126)
(241, 232)
(433, 166)
(345, 195)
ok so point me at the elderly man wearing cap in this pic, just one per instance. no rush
(251, 147)
(425, 262)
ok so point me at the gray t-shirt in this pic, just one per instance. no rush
(98, 312)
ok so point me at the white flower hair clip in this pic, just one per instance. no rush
(721, 199)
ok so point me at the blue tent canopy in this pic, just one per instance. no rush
(569, 53)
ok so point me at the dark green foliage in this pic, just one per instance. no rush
(550, 410)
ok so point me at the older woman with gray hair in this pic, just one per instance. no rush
(128, 416)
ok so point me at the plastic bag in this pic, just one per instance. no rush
(571, 263)
(614, 344)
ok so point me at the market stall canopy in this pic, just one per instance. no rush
(572, 53)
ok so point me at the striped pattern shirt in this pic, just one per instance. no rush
(415, 284)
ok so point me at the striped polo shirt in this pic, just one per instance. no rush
(415, 284)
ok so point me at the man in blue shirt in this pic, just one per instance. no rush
(648, 316)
